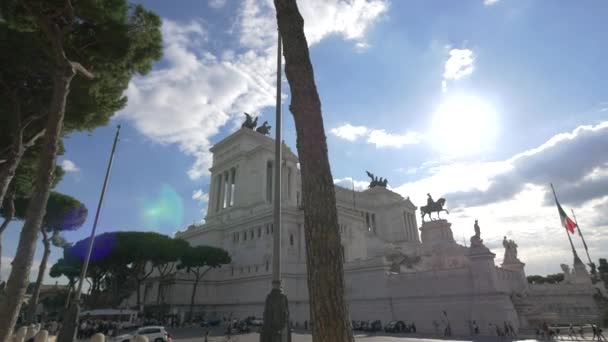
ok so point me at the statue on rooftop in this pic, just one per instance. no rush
(375, 181)
(476, 240)
(250, 122)
(510, 251)
(432, 207)
(264, 129)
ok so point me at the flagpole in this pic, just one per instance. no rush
(566, 230)
(580, 233)
(70, 321)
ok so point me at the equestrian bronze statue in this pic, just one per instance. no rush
(433, 207)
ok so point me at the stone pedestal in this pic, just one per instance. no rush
(580, 275)
(436, 233)
(483, 270)
(518, 266)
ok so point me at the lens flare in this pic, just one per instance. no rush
(165, 210)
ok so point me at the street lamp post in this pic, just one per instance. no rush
(276, 309)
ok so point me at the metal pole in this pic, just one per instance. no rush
(580, 233)
(68, 332)
(278, 158)
(567, 233)
(85, 266)
(276, 307)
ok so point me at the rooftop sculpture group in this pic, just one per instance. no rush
(510, 251)
(251, 123)
(375, 181)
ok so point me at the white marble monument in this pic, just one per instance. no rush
(394, 268)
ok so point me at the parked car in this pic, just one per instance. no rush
(153, 333)
(242, 327)
(364, 325)
(253, 321)
(395, 327)
(373, 326)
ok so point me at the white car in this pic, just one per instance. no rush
(153, 333)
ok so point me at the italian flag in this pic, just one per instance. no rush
(566, 221)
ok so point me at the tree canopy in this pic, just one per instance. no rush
(203, 256)
(549, 279)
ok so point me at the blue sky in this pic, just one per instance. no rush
(483, 102)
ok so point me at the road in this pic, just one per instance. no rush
(196, 335)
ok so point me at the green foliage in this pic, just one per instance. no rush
(110, 38)
(118, 260)
(203, 256)
(25, 175)
(63, 212)
(549, 279)
(66, 268)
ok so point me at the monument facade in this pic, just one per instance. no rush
(395, 269)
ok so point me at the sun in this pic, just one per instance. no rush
(464, 125)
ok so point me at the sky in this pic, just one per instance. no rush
(482, 102)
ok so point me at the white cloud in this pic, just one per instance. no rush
(349, 183)
(524, 214)
(217, 3)
(69, 166)
(196, 92)
(200, 196)
(378, 137)
(381, 138)
(349, 19)
(349, 132)
(490, 2)
(458, 65)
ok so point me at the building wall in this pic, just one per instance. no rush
(375, 226)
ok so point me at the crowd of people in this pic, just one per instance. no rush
(88, 328)
(546, 332)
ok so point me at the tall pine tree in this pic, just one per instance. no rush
(105, 42)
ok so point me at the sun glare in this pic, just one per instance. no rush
(464, 125)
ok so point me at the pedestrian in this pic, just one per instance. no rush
(594, 329)
(475, 328)
(571, 332)
(206, 336)
(306, 325)
(600, 336)
(511, 330)
(413, 327)
(507, 332)
(581, 332)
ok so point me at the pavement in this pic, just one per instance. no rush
(195, 334)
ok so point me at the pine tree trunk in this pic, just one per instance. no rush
(16, 150)
(138, 294)
(10, 201)
(26, 248)
(328, 308)
(191, 310)
(31, 314)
